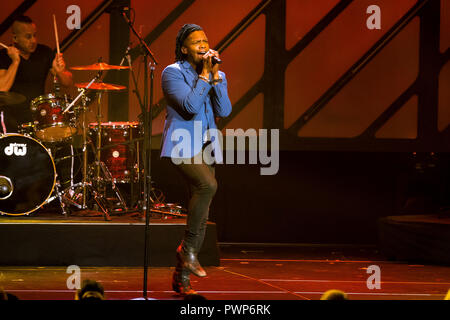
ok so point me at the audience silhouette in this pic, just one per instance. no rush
(334, 294)
(90, 290)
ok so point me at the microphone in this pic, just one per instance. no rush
(129, 61)
(116, 8)
(124, 11)
(216, 60)
(126, 55)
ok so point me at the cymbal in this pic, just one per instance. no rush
(100, 66)
(101, 86)
(10, 98)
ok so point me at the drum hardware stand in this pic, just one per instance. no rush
(107, 178)
(99, 132)
(177, 212)
(59, 194)
(99, 165)
(135, 174)
(98, 198)
(93, 183)
(136, 202)
(134, 171)
(2, 121)
(77, 194)
(85, 185)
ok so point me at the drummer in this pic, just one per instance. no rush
(24, 68)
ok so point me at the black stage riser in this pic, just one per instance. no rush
(100, 244)
(419, 239)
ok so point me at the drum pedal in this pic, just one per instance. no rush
(58, 194)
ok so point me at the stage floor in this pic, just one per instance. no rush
(250, 272)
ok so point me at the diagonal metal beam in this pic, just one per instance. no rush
(86, 23)
(317, 29)
(445, 57)
(162, 26)
(20, 10)
(354, 70)
(242, 103)
(152, 36)
(273, 100)
(242, 25)
(389, 112)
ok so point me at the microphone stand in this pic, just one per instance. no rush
(146, 111)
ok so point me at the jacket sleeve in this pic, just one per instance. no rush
(220, 100)
(177, 91)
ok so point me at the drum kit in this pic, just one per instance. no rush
(110, 152)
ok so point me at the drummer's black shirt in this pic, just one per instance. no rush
(29, 81)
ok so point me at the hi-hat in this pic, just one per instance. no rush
(10, 98)
(100, 66)
(101, 86)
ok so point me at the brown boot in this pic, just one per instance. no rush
(181, 282)
(187, 258)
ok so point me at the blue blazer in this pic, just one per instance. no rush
(191, 104)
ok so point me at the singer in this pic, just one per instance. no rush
(195, 90)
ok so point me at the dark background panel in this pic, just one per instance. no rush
(319, 197)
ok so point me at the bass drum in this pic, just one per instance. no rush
(27, 175)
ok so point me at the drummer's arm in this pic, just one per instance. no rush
(59, 69)
(65, 77)
(7, 76)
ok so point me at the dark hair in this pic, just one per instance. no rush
(334, 294)
(183, 33)
(24, 19)
(91, 289)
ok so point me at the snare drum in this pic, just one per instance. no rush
(27, 175)
(51, 124)
(119, 153)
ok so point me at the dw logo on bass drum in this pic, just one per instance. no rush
(17, 149)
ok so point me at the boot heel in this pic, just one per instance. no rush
(188, 259)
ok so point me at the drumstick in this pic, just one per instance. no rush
(56, 34)
(3, 45)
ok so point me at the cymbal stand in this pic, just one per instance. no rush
(100, 167)
(85, 185)
(85, 159)
(99, 133)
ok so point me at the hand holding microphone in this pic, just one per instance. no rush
(214, 57)
(216, 60)
(211, 62)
